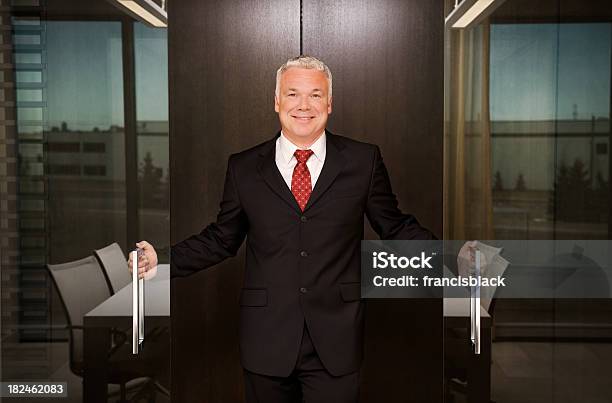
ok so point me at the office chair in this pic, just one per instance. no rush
(81, 286)
(114, 263)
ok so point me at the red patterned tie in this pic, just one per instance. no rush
(300, 182)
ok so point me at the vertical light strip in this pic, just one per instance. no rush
(468, 12)
(610, 146)
(472, 13)
(143, 13)
(130, 137)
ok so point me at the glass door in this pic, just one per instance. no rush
(83, 177)
(527, 145)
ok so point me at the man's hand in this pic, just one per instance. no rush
(466, 260)
(147, 261)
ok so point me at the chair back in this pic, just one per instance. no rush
(115, 266)
(81, 286)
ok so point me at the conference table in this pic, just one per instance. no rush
(457, 316)
(116, 312)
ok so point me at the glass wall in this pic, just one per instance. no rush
(85, 142)
(550, 109)
(151, 58)
(65, 152)
(527, 137)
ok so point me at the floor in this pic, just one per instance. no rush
(52, 358)
(522, 372)
(526, 372)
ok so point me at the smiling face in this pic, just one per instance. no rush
(303, 104)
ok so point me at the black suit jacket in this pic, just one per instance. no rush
(300, 266)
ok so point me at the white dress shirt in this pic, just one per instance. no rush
(286, 161)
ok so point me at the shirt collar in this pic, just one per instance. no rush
(287, 148)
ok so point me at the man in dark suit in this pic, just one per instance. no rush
(299, 199)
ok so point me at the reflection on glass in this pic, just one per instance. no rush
(65, 158)
(84, 93)
(27, 95)
(527, 143)
(151, 59)
(70, 180)
(28, 77)
(28, 57)
(550, 105)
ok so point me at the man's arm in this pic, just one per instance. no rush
(219, 240)
(385, 217)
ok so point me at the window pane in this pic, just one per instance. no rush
(151, 55)
(27, 58)
(29, 95)
(550, 103)
(84, 94)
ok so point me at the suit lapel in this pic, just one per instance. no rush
(269, 171)
(334, 162)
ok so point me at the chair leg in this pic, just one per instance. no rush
(151, 392)
(448, 394)
(162, 389)
(147, 393)
(122, 393)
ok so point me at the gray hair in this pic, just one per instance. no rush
(304, 62)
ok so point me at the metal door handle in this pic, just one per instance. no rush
(475, 308)
(137, 304)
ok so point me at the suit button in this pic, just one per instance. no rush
(304, 218)
(303, 253)
(303, 290)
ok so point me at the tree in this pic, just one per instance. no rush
(578, 175)
(499, 184)
(150, 182)
(573, 196)
(602, 184)
(520, 183)
(600, 200)
(165, 191)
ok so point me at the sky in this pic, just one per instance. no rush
(84, 81)
(540, 71)
(537, 71)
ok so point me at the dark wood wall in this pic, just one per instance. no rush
(223, 57)
(553, 11)
(387, 61)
